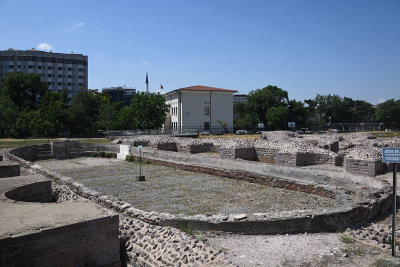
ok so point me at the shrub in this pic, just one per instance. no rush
(108, 155)
(102, 154)
(129, 158)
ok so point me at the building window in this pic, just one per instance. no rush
(39, 67)
(11, 67)
(49, 75)
(206, 110)
(49, 68)
(59, 68)
(30, 67)
(69, 76)
(206, 126)
(59, 84)
(69, 69)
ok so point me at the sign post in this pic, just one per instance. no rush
(140, 177)
(392, 155)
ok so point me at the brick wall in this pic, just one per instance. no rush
(89, 243)
(266, 154)
(246, 153)
(365, 167)
(196, 148)
(167, 146)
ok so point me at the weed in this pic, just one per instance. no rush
(187, 229)
(347, 239)
(102, 154)
(108, 155)
(147, 161)
(129, 158)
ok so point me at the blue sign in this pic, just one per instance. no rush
(139, 146)
(391, 154)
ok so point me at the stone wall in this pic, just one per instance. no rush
(196, 148)
(246, 153)
(266, 154)
(167, 146)
(35, 152)
(35, 192)
(365, 167)
(88, 243)
(9, 169)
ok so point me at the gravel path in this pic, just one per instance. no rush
(294, 250)
(176, 191)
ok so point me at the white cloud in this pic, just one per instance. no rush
(75, 26)
(379, 101)
(44, 46)
(102, 54)
(145, 63)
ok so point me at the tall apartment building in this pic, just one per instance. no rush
(59, 70)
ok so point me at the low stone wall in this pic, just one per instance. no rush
(365, 167)
(35, 192)
(34, 152)
(9, 169)
(266, 154)
(88, 243)
(246, 153)
(196, 148)
(1, 157)
(167, 146)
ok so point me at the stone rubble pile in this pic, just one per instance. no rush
(152, 245)
(363, 146)
(375, 234)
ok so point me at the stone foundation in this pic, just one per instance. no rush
(246, 153)
(8, 169)
(365, 167)
(196, 148)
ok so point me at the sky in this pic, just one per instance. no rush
(345, 47)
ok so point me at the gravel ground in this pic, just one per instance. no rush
(176, 191)
(325, 249)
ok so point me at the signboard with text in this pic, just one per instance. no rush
(291, 124)
(391, 154)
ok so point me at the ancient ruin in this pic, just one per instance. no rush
(342, 168)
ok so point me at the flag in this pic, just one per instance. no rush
(147, 82)
(161, 86)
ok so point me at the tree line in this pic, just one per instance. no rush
(28, 109)
(272, 107)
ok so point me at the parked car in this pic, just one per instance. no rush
(241, 132)
(64, 134)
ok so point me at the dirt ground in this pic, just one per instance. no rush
(176, 191)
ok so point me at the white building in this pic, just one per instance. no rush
(200, 108)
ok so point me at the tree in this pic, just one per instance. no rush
(148, 111)
(388, 112)
(24, 89)
(108, 116)
(84, 111)
(8, 117)
(297, 112)
(260, 100)
(277, 117)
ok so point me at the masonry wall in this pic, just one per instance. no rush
(199, 148)
(266, 154)
(89, 243)
(365, 167)
(9, 169)
(35, 192)
(246, 153)
(32, 153)
(167, 146)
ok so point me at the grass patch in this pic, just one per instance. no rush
(187, 229)
(386, 134)
(230, 136)
(13, 142)
(347, 239)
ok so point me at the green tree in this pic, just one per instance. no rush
(24, 89)
(297, 112)
(260, 100)
(277, 117)
(108, 116)
(148, 111)
(388, 112)
(8, 117)
(83, 112)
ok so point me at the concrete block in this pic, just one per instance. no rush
(58, 150)
(9, 169)
(124, 149)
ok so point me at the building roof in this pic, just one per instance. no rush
(203, 88)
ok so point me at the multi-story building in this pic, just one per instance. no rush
(200, 107)
(69, 71)
(120, 94)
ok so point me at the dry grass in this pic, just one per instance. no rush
(12, 142)
(242, 136)
(386, 134)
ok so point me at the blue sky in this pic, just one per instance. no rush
(345, 47)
